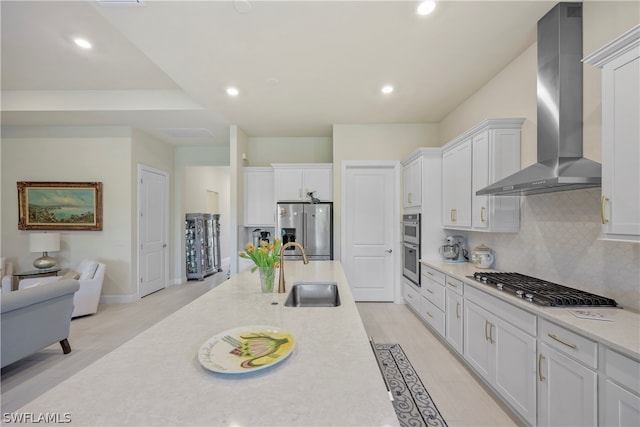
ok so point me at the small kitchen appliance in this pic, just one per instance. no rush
(482, 256)
(256, 237)
(264, 235)
(454, 249)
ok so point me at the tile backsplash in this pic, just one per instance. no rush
(559, 241)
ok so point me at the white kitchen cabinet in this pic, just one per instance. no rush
(259, 197)
(411, 295)
(456, 185)
(567, 380)
(293, 182)
(412, 183)
(454, 325)
(501, 352)
(496, 155)
(621, 401)
(620, 203)
(433, 303)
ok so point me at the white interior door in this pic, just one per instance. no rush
(152, 230)
(369, 209)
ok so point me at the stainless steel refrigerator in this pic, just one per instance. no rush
(309, 224)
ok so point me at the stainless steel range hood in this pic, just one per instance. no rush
(560, 163)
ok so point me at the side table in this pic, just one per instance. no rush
(33, 273)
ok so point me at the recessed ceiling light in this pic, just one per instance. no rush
(83, 43)
(426, 7)
(232, 91)
(387, 89)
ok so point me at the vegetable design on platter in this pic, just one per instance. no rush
(260, 348)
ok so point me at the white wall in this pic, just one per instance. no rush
(29, 155)
(264, 151)
(239, 143)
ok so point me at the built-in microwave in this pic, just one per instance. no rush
(411, 228)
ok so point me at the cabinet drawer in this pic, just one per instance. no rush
(517, 317)
(433, 315)
(412, 297)
(434, 292)
(454, 284)
(623, 370)
(568, 342)
(433, 274)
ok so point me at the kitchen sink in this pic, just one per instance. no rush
(313, 294)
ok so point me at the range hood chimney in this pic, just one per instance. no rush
(560, 163)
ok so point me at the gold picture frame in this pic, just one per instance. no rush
(59, 205)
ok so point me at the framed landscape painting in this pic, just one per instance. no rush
(59, 205)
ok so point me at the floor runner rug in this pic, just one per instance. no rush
(412, 402)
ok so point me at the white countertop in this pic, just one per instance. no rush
(621, 334)
(331, 378)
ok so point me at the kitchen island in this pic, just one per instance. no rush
(330, 378)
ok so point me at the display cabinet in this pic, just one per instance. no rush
(202, 245)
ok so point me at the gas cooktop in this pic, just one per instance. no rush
(540, 291)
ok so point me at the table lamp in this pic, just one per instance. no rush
(45, 243)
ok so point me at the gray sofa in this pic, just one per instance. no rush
(34, 318)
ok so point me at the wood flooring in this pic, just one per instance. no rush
(460, 397)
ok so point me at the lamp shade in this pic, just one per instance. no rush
(44, 242)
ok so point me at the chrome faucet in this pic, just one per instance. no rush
(281, 287)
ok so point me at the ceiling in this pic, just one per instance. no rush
(300, 66)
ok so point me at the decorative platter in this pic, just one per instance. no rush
(246, 349)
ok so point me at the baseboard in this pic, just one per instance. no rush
(118, 299)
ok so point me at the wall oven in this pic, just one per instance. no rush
(411, 247)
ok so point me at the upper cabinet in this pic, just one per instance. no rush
(496, 155)
(294, 182)
(259, 203)
(479, 157)
(412, 181)
(456, 185)
(620, 64)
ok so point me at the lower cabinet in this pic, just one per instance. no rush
(567, 377)
(621, 403)
(411, 295)
(454, 323)
(566, 390)
(433, 316)
(548, 374)
(501, 353)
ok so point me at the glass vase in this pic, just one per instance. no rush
(267, 278)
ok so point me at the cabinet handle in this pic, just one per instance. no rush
(429, 290)
(573, 346)
(540, 376)
(491, 340)
(429, 273)
(486, 332)
(452, 284)
(451, 215)
(483, 211)
(458, 310)
(603, 216)
(409, 197)
(429, 314)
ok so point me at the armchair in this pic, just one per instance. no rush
(7, 276)
(85, 301)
